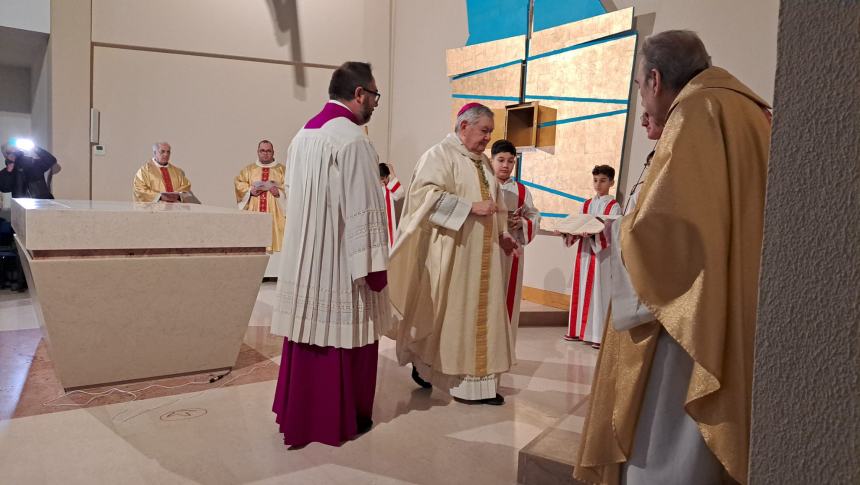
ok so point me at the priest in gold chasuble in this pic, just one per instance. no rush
(671, 398)
(260, 188)
(158, 179)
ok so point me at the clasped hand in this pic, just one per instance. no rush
(274, 190)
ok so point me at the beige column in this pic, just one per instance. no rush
(806, 388)
(69, 96)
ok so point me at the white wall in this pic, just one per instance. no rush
(421, 104)
(40, 112)
(14, 102)
(22, 55)
(15, 89)
(68, 97)
(318, 31)
(324, 32)
(215, 110)
(14, 125)
(26, 15)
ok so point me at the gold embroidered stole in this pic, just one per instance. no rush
(484, 288)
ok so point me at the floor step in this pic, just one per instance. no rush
(549, 458)
(536, 315)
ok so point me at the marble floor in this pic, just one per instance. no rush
(188, 430)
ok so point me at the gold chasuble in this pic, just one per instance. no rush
(266, 201)
(152, 179)
(692, 248)
(446, 277)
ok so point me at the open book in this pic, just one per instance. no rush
(184, 197)
(263, 185)
(584, 223)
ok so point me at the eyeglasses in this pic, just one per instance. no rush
(375, 93)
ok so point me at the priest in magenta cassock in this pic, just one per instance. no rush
(447, 279)
(331, 300)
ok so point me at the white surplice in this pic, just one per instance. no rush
(589, 298)
(517, 197)
(336, 234)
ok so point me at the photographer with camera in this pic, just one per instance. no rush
(25, 172)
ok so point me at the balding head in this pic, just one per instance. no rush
(161, 152)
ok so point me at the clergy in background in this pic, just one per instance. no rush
(260, 188)
(670, 402)
(331, 303)
(447, 280)
(158, 179)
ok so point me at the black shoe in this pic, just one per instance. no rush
(364, 425)
(494, 401)
(418, 380)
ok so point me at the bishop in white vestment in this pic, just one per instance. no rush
(447, 280)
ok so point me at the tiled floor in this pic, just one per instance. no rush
(224, 433)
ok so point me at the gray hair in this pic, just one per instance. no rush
(158, 144)
(678, 55)
(472, 115)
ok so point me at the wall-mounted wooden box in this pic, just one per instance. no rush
(499, 119)
(530, 126)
